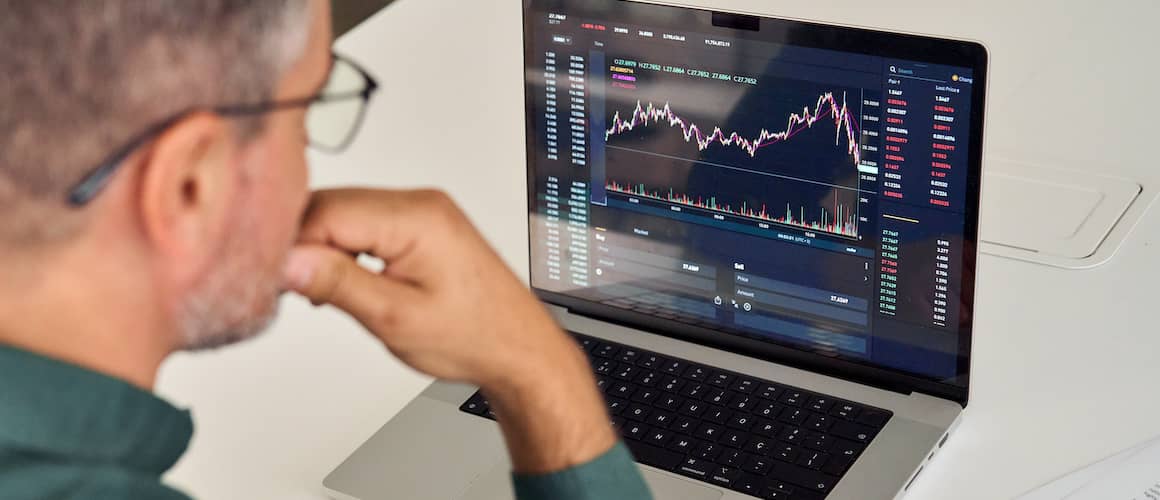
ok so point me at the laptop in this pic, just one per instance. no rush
(763, 234)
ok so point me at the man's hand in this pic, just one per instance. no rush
(446, 305)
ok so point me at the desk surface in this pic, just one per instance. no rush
(1063, 359)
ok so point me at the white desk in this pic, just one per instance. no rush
(1064, 360)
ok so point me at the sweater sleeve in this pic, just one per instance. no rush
(611, 476)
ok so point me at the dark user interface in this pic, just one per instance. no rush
(804, 196)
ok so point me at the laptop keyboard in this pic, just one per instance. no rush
(754, 436)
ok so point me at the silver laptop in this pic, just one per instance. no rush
(762, 232)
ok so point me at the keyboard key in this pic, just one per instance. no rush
(721, 380)
(586, 344)
(813, 460)
(717, 415)
(671, 384)
(674, 367)
(693, 408)
(819, 423)
(808, 479)
(683, 445)
(792, 435)
(668, 403)
(741, 403)
(766, 409)
(732, 458)
(769, 391)
(605, 350)
(635, 431)
(651, 361)
(627, 356)
(709, 432)
(782, 486)
(615, 405)
(734, 439)
(717, 397)
(605, 367)
(659, 437)
(695, 467)
(476, 405)
(621, 390)
(794, 416)
(853, 432)
(778, 495)
(750, 484)
(662, 419)
(636, 411)
(646, 396)
(744, 386)
(694, 390)
(847, 411)
(820, 404)
(786, 453)
(819, 442)
(602, 383)
(724, 476)
(758, 446)
(767, 428)
(697, 373)
(792, 398)
(625, 371)
(684, 425)
(758, 465)
(848, 449)
(741, 422)
(708, 451)
(647, 378)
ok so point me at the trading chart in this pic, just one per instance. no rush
(789, 193)
(786, 152)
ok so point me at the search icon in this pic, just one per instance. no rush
(893, 69)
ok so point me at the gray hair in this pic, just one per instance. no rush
(79, 78)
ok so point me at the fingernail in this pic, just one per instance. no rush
(299, 270)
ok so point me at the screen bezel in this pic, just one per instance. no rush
(920, 48)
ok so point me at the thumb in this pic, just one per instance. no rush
(327, 276)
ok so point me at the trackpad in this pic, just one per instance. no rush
(496, 484)
(674, 488)
(493, 484)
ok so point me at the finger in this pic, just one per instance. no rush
(328, 276)
(389, 225)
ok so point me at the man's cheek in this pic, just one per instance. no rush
(293, 174)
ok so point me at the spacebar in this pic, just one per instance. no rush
(654, 456)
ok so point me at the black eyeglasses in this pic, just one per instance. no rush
(333, 118)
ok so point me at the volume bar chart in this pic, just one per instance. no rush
(841, 220)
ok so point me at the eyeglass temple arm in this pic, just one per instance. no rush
(93, 182)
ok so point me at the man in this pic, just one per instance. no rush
(153, 198)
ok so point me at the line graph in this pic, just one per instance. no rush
(841, 220)
(791, 152)
(827, 106)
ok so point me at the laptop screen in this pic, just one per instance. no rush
(793, 184)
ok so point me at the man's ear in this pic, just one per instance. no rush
(189, 186)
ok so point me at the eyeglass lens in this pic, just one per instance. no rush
(330, 122)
